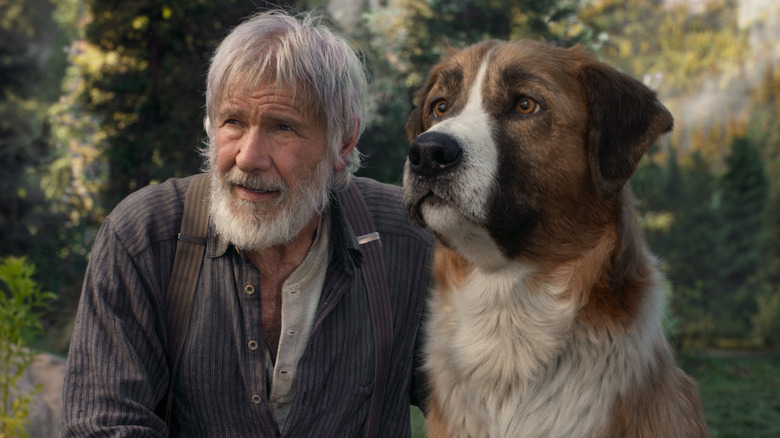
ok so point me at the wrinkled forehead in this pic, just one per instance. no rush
(249, 83)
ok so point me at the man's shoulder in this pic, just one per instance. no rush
(152, 213)
(385, 202)
(374, 190)
(154, 200)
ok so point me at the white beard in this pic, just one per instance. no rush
(252, 226)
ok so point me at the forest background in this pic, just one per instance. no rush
(100, 98)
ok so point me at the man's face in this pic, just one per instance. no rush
(272, 170)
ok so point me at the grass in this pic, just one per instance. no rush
(741, 393)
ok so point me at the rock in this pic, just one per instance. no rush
(47, 371)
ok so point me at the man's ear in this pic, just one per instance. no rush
(625, 119)
(347, 147)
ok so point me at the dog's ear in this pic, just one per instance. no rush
(625, 118)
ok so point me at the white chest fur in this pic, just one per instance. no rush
(509, 361)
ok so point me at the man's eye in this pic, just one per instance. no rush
(231, 122)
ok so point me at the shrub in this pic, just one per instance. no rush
(766, 321)
(19, 325)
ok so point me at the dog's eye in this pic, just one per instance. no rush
(440, 108)
(526, 105)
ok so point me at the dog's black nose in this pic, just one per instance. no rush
(432, 153)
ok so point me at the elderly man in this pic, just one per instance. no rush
(280, 340)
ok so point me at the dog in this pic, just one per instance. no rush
(545, 318)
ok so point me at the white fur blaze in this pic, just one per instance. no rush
(472, 129)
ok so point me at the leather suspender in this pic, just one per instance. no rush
(190, 249)
(378, 298)
(187, 262)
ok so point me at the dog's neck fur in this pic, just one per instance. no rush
(531, 333)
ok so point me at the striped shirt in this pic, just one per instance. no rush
(117, 370)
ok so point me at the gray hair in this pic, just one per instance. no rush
(300, 53)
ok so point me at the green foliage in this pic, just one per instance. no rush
(20, 129)
(649, 37)
(694, 326)
(19, 325)
(707, 231)
(743, 197)
(32, 63)
(415, 34)
(766, 321)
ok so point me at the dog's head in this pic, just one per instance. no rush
(522, 149)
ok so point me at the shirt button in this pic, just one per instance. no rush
(249, 289)
(256, 399)
(252, 345)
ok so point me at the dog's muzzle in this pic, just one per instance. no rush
(434, 153)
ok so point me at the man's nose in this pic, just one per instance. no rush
(253, 153)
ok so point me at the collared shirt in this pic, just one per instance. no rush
(117, 371)
(300, 296)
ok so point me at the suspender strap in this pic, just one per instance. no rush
(190, 249)
(374, 274)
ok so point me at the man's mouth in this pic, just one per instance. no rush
(254, 194)
(255, 190)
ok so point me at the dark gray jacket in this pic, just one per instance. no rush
(117, 370)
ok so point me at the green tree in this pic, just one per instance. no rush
(675, 204)
(690, 257)
(767, 274)
(32, 64)
(765, 284)
(743, 196)
(692, 242)
(764, 130)
(21, 129)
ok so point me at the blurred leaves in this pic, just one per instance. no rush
(21, 300)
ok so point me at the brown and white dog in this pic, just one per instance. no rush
(546, 315)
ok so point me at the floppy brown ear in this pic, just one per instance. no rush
(625, 119)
